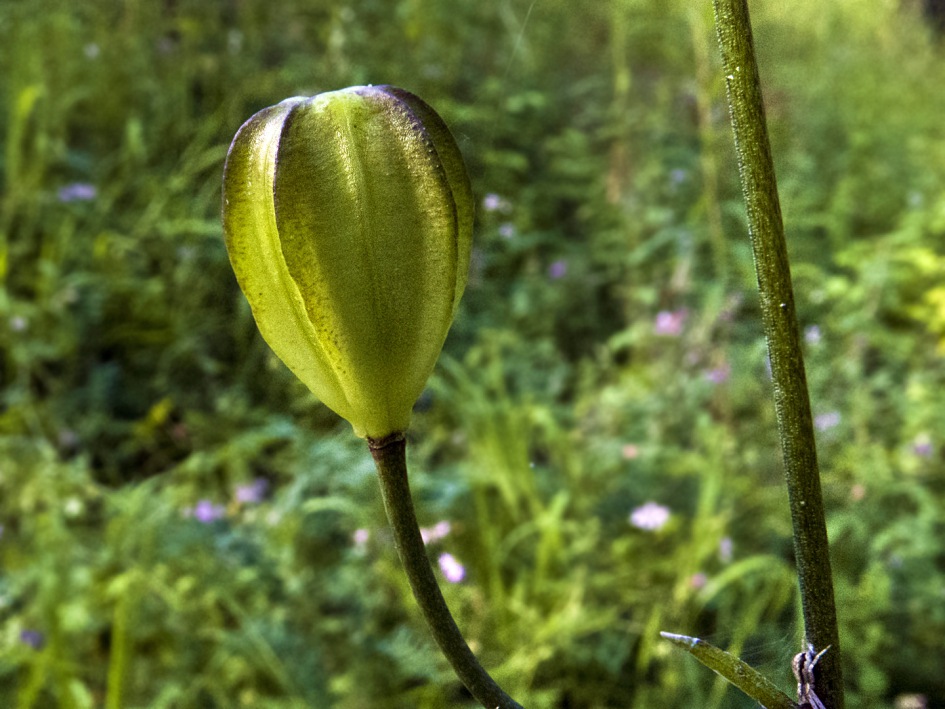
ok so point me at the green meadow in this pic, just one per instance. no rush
(596, 459)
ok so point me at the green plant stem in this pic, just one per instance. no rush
(391, 462)
(792, 404)
(118, 662)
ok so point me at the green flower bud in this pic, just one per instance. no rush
(348, 222)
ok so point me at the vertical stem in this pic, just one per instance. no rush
(792, 404)
(118, 661)
(391, 462)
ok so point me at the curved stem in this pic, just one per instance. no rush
(391, 462)
(792, 404)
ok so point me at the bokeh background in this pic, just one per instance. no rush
(596, 457)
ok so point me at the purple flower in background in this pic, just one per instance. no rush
(253, 492)
(492, 202)
(435, 533)
(719, 374)
(360, 538)
(507, 230)
(206, 512)
(452, 569)
(650, 517)
(812, 335)
(558, 269)
(33, 638)
(77, 192)
(726, 550)
(670, 322)
(922, 446)
(824, 422)
(698, 580)
(677, 176)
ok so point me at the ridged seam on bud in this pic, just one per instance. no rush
(348, 220)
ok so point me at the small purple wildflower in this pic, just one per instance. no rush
(206, 512)
(492, 202)
(77, 192)
(677, 176)
(922, 446)
(360, 538)
(507, 230)
(726, 550)
(698, 580)
(719, 374)
(435, 533)
(826, 421)
(452, 569)
(650, 517)
(33, 638)
(670, 322)
(253, 492)
(812, 335)
(558, 269)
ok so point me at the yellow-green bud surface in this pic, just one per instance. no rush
(348, 222)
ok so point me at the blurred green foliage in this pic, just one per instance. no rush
(608, 354)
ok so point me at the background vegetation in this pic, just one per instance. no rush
(184, 526)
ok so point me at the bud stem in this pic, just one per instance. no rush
(391, 461)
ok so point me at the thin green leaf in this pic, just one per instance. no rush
(738, 673)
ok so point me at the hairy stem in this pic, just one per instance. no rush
(792, 404)
(391, 462)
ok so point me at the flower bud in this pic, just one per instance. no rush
(348, 222)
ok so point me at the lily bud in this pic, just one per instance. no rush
(348, 222)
